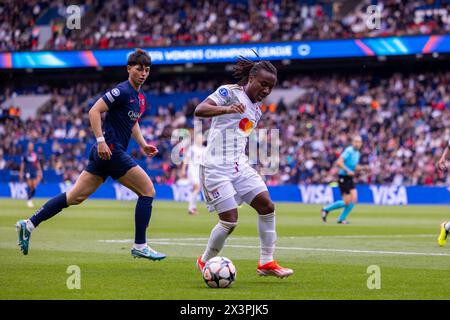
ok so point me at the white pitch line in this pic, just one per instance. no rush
(161, 242)
(387, 236)
(156, 239)
(311, 249)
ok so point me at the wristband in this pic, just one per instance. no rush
(100, 139)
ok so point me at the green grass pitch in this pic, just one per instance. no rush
(330, 261)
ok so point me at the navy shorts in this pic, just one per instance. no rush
(30, 175)
(115, 167)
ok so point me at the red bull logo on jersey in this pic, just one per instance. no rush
(246, 125)
(134, 115)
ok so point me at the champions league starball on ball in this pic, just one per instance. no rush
(219, 272)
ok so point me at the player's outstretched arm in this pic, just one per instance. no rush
(148, 149)
(95, 117)
(208, 108)
(136, 133)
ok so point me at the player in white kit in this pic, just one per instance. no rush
(191, 165)
(226, 176)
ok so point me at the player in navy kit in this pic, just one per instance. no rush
(31, 170)
(124, 105)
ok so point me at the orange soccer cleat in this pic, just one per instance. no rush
(200, 264)
(272, 268)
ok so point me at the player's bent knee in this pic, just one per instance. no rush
(270, 207)
(149, 193)
(267, 208)
(76, 200)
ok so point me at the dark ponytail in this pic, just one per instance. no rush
(245, 68)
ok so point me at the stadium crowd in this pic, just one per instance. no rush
(141, 23)
(404, 120)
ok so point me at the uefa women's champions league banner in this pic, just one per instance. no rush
(310, 194)
(320, 49)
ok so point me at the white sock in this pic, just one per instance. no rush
(267, 236)
(219, 235)
(30, 225)
(193, 200)
(447, 226)
(139, 246)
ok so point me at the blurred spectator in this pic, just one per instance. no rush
(149, 23)
(404, 120)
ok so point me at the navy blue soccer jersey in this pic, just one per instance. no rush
(30, 161)
(126, 106)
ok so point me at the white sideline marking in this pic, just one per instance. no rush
(174, 241)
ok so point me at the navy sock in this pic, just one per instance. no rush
(49, 209)
(33, 191)
(142, 216)
(29, 193)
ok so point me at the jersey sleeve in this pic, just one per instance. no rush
(115, 97)
(222, 96)
(345, 154)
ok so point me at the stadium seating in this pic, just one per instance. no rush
(119, 24)
(401, 118)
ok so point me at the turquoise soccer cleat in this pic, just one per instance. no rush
(147, 253)
(24, 236)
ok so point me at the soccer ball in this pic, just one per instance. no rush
(219, 272)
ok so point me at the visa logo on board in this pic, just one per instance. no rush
(389, 195)
(18, 190)
(316, 194)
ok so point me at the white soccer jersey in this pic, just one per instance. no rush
(228, 133)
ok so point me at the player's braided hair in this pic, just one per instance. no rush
(245, 68)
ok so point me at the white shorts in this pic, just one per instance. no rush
(193, 174)
(224, 190)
